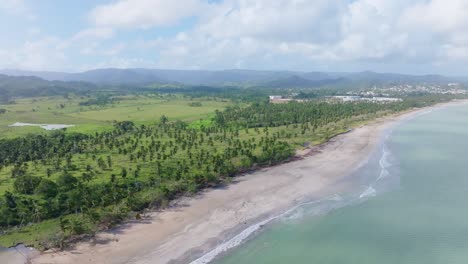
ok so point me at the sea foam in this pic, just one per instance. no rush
(384, 165)
(239, 238)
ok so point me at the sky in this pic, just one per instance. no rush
(404, 36)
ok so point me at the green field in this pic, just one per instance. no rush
(141, 109)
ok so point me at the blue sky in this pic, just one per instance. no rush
(408, 36)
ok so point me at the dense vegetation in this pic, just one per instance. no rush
(95, 179)
(315, 113)
(175, 160)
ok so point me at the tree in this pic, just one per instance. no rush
(87, 176)
(8, 209)
(26, 184)
(109, 161)
(66, 182)
(46, 188)
(101, 163)
(124, 173)
(163, 119)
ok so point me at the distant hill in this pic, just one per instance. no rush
(117, 76)
(140, 76)
(17, 86)
(46, 75)
(396, 78)
(300, 82)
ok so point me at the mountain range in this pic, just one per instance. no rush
(24, 86)
(139, 76)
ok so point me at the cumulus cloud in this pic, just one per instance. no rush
(301, 34)
(55, 53)
(284, 20)
(280, 34)
(45, 53)
(12, 6)
(143, 13)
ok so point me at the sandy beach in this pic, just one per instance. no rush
(194, 226)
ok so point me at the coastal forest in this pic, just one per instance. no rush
(58, 185)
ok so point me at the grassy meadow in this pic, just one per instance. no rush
(141, 109)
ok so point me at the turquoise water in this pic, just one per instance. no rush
(419, 213)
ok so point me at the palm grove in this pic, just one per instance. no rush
(97, 179)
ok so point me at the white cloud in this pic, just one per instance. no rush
(121, 63)
(42, 54)
(115, 50)
(291, 20)
(437, 16)
(265, 34)
(94, 33)
(13, 6)
(306, 34)
(16, 7)
(54, 53)
(143, 13)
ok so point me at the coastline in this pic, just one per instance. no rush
(194, 226)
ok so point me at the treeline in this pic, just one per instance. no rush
(233, 93)
(315, 113)
(99, 100)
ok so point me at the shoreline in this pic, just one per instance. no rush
(194, 226)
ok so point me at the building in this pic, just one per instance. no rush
(275, 97)
(355, 98)
(348, 98)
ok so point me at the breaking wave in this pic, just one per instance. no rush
(242, 236)
(384, 165)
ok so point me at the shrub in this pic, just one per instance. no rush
(195, 104)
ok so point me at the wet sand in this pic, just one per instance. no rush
(194, 226)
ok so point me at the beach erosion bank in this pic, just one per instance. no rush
(195, 230)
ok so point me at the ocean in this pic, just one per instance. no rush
(406, 204)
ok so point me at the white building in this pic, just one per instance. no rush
(348, 98)
(355, 98)
(276, 97)
(384, 99)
